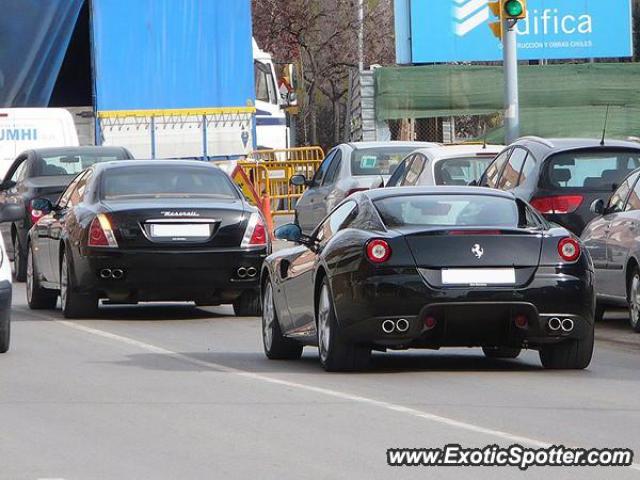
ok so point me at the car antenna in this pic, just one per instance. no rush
(484, 137)
(604, 130)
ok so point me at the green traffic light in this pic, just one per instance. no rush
(513, 8)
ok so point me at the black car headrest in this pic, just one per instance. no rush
(560, 175)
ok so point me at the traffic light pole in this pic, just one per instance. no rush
(511, 99)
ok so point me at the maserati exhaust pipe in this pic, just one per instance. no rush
(117, 273)
(106, 273)
(242, 272)
(402, 325)
(554, 324)
(251, 272)
(388, 326)
(567, 325)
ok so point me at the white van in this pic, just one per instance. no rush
(271, 121)
(27, 128)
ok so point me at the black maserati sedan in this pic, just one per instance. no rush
(430, 267)
(132, 231)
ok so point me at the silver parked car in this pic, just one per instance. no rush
(347, 168)
(613, 241)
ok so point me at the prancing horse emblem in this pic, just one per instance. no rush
(477, 251)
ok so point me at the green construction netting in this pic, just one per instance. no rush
(555, 100)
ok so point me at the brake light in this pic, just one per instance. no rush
(561, 204)
(256, 232)
(356, 190)
(36, 215)
(378, 251)
(569, 249)
(101, 233)
(475, 232)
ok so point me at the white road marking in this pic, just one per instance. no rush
(394, 407)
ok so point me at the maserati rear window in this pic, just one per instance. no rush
(165, 181)
(448, 210)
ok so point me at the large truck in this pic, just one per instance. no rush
(164, 78)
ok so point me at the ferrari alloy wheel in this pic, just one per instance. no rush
(335, 353)
(276, 345)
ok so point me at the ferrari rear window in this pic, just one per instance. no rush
(165, 181)
(448, 211)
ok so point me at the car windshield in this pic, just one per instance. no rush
(460, 171)
(72, 163)
(590, 170)
(377, 161)
(165, 181)
(448, 210)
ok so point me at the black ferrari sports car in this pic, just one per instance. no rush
(130, 231)
(403, 268)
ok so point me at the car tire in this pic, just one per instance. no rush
(336, 354)
(74, 304)
(634, 300)
(276, 346)
(19, 262)
(573, 354)
(501, 352)
(600, 310)
(38, 298)
(247, 304)
(5, 331)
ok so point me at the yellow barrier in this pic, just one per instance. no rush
(270, 171)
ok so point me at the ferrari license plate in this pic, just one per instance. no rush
(479, 276)
(182, 230)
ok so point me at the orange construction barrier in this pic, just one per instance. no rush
(266, 211)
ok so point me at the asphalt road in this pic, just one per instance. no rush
(177, 392)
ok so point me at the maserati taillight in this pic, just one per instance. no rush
(101, 233)
(256, 232)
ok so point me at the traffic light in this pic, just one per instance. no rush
(506, 10)
(496, 9)
(514, 9)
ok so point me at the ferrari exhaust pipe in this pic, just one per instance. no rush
(402, 325)
(117, 274)
(554, 324)
(567, 325)
(242, 272)
(106, 273)
(388, 326)
(251, 272)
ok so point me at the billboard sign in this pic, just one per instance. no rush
(458, 30)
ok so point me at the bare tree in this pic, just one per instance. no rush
(321, 36)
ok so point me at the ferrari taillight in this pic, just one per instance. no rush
(569, 249)
(256, 232)
(378, 251)
(101, 233)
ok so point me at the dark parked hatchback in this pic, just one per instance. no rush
(43, 173)
(562, 177)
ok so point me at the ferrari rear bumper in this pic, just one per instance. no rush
(551, 308)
